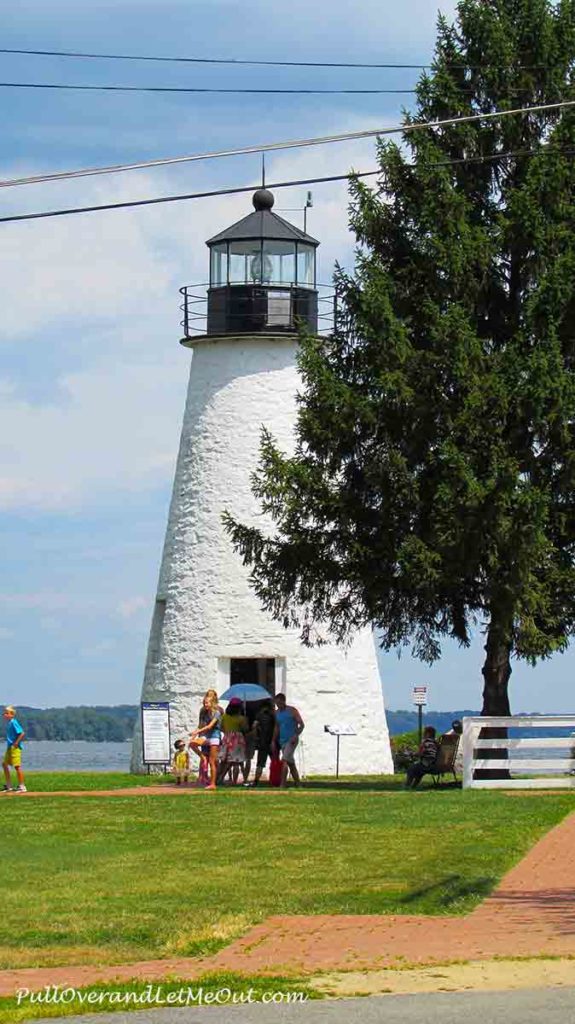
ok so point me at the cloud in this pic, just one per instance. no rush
(114, 432)
(103, 647)
(104, 288)
(86, 270)
(98, 295)
(43, 599)
(130, 606)
(50, 624)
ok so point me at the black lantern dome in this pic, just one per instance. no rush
(262, 275)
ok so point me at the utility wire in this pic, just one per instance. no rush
(179, 198)
(260, 63)
(277, 184)
(163, 88)
(276, 146)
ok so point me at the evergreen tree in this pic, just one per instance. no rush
(432, 488)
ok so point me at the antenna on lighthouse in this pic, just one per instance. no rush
(263, 170)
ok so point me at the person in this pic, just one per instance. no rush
(181, 763)
(205, 740)
(233, 746)
(13, 756)
(250, 739)
(204, 746)
(427, 756)
(264, 727)
(288, 729)
(457, 730)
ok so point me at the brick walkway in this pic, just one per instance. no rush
(532, 912)
(163, 789)
(160, 790)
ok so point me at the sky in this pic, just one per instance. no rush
(92, 378)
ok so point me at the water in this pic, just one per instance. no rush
(76, 756)
(81, 756)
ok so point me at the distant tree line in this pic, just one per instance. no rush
(95, 724)
(116, 724)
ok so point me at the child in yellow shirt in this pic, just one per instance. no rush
(181, 762)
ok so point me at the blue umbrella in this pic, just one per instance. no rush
(246, 692)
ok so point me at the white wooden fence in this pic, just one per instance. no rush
(532, 770)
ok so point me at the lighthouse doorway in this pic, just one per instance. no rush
(254, 670)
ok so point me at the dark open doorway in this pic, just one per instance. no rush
(254, 670)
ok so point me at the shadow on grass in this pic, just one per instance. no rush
(90, 781)
(452, 889)
(384, 784)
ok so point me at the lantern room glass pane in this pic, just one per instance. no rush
(218, 265)
(245, 262)
(278, 262)
(305, 266)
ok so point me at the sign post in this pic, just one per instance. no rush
(156, 733)
(420, 701)
(339, 730)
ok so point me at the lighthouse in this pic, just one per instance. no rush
(208, 629)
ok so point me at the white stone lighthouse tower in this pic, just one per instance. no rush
(208, 629)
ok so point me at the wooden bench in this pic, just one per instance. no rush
(445, 763)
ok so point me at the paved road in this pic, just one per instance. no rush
(553, 1006)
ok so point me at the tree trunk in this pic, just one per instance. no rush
(496, 673)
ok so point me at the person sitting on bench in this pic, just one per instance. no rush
(457, 730)
(427, 756)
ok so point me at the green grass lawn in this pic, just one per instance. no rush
(51, 782)
(211, 989)
(109, 880)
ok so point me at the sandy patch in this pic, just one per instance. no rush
(484, 975)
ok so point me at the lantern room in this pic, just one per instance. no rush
(262, 275)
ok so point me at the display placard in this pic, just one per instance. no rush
(420, 695)
(338, 730)
(156, 733)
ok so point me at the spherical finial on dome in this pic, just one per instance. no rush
(263, 199)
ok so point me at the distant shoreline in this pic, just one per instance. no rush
(116, 723)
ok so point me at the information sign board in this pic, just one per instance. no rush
(420, 695)
(156, 733)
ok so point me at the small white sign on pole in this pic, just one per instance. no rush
(156, 733)
(420, 696)
(338, 730)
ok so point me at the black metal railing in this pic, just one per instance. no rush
(267, 309)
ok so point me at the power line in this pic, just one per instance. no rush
(277, 146)
(179, 198)
(214, 60)
(276, 185)
(194, 89)
(261, 63)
